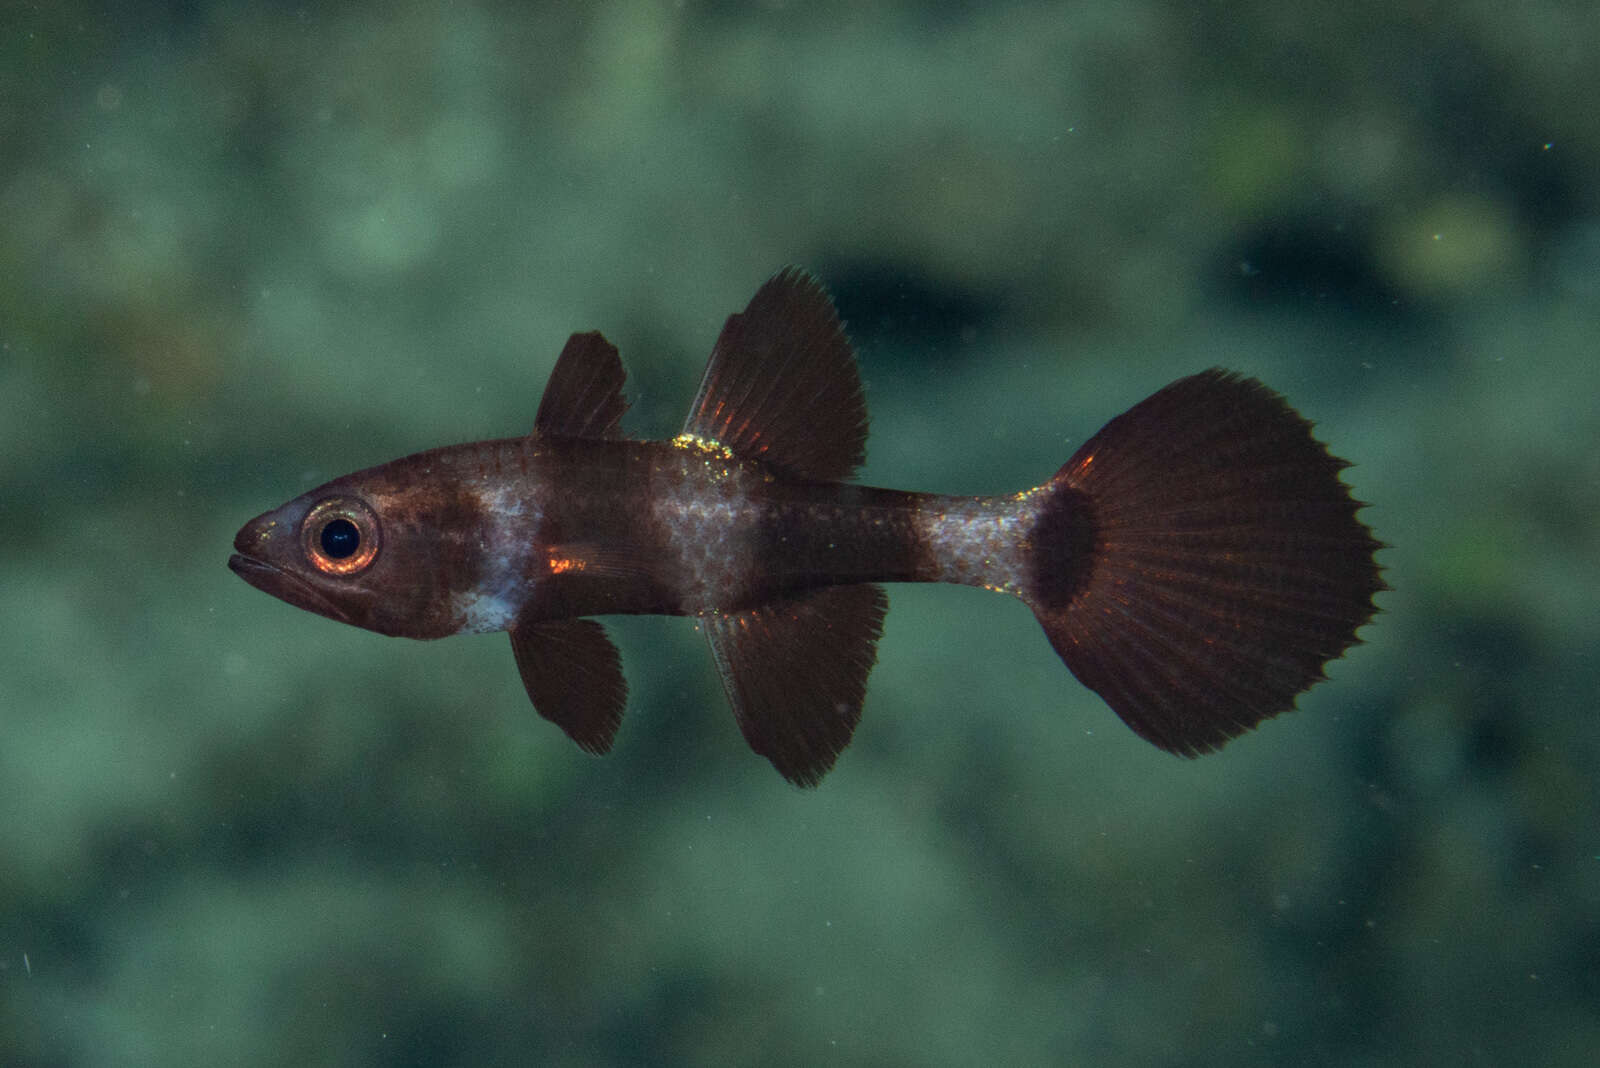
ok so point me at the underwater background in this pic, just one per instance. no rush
(248, 247)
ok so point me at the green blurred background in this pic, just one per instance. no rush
(248, 247)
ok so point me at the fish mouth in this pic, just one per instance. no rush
(284, 585)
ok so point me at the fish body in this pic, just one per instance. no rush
(658, 528)
(1196, 563)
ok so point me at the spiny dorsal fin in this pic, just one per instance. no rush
(573, 675)
(782, 386)
(796, 671)
(583, 398)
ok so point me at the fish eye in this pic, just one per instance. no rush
(340, 536)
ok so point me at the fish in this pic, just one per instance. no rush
(1197, 563)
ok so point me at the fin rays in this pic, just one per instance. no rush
(583, 398)
(1227, 564)
(573, 675)
(796, 673)
(781, 385)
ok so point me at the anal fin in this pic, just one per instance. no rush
(573, 674)
(796, 671)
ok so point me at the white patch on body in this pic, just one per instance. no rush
(512, 516)
(978, 541)
(708, 529)
(482, 613)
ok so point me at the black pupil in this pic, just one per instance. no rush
(340, 538)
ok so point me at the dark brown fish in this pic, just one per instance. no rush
(1197, 562)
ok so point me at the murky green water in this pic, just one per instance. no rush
(245, 248)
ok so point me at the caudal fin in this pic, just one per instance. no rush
(1198, 562)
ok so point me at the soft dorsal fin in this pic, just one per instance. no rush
(583, 398)
(795, 671)
(782, 386)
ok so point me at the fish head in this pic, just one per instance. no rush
(368, 549)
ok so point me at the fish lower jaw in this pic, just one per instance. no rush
(284, 585)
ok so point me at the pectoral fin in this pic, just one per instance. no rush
(573, 674)
(796, 672)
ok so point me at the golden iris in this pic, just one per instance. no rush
(340, 536)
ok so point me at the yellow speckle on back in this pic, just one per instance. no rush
(703, 445)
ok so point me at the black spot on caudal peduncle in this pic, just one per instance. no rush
(1064, 546)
